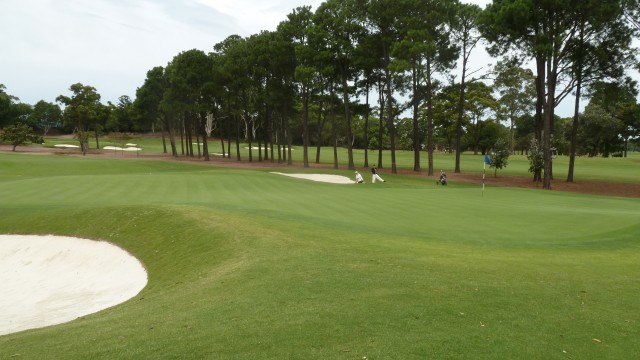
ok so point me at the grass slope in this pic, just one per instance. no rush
(248, 264)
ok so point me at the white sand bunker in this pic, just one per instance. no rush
(334, 179)
(66, 146)
(130, 148)
(48, 280)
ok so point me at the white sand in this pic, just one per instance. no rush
(260, 148)
(130, 148)
(48, 280)
(334, 179)
(67, 146)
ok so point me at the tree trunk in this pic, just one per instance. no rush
(416, 128)
(196, 128)
(287, 137)
(576, 110)
(347, 114)
(322, 119)
(461, 105)
(305, 126)
(381, 123)
(390, 114)
(97, 139)
(237, 121)
(334, 132)
(249, 133)
(429, 119)
(574, 127)
(168, 127)
(366, 127)
(205, 144)
(164, 142)
(548, 122)
(540, 91)
(182, 135)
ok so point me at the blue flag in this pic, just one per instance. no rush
(487, 159)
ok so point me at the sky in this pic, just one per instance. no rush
(48, 45)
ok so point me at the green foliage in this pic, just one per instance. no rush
(499, 157)
(46, 115)
(535, 156)
(598, 132)
(19, 134)
(81, 111)
(7, 101)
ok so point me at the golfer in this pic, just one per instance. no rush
(359, 179)
(374, 175)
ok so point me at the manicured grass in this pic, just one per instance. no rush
(608, 169)
(249, 264)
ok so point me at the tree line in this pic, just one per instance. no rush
(388, 74)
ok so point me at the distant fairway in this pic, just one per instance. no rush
(248, 264)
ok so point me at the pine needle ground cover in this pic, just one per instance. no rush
(249, 264)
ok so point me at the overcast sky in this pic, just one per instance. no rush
(48, 45)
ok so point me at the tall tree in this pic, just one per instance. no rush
(6, 100)
(509, 25)
(123, 118)
(383, 18)
(601, 50)
(188, 92)
(466, 33)
(149, 103)
(81, 111)
(537, 30)
(339, 21)
(436, 54)
(232, 59)
(297, 29)
(46, 115)
(19, 134)
(599, 132)
(515, 87)
(619, 100)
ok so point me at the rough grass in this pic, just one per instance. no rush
(248, 264)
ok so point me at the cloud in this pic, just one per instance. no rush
(111, 44)
(48, 45)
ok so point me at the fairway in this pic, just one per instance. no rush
(244, 263)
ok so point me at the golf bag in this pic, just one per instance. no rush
(442, 181)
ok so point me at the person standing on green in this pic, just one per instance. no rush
(374, 175)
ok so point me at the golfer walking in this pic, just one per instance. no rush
(374, 175)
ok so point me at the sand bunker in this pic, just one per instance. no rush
(48, 280)
(261, 148)
(130, 148)
(66, 146)
(334, 179)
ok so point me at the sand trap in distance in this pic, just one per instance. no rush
(334, 179)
